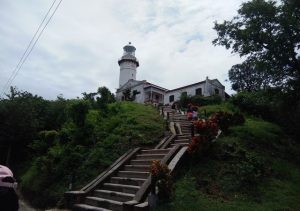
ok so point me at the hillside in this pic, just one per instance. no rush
(79, 152)
(252, 167)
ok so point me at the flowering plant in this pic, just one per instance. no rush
(161, 175)
(207, 128)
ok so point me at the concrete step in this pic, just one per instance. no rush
(85, 207)
(183, 141)
(121, 188)
(137, 168)
(183, 136)
(134, 174)
(105, 203)
(184, 132)
(155, 151)
(181, 144)
(141, 162)
(127, 181)
(150, 156)
(113, 195)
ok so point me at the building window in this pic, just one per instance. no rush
(183, 93)
(199, 91)
(216, 91)
(171, 98)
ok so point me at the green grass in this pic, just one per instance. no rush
(107, 135)
(275, 194)
(206, 111)
(253, 167)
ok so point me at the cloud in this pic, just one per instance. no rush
(79, 49)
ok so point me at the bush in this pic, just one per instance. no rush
(161, 176)
(258, 104)
(225, 120)
(104, 137)
(203, 101)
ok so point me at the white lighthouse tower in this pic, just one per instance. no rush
(128, 64)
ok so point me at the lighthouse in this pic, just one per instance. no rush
(128, 64)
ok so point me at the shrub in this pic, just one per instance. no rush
(225, 120)
(161, 175)
(250, 171)
(203, 101)
(258, 104)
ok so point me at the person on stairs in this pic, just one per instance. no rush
(189, 112)
(8, 196)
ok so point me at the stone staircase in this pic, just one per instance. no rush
(126, 183)
(184, 126)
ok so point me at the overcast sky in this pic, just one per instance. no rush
(80, 47)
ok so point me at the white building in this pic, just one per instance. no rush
(148, 92)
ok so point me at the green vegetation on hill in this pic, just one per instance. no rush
(50, 144)
(253, 167)
(84, 148)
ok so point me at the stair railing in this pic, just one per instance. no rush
(145, 188)
(74, 197)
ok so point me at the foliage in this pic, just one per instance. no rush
(249, 76)
(77, 112)
(249, 168)
(259, 104)
(198, 145)
(106, 97)
(274, 105)
(130, 96)
(198, 100)
(208, 128)
(206, 111)
(224, 120)
(161, 176)
(99, 99)
(267, 34)
(203, 101)
(276, 194)
(21, 118)
(107, 134)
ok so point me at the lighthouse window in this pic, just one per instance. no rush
(171, 98)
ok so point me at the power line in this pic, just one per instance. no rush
(15, 69)
(24, 58)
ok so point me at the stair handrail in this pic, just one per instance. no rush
(145, 188)
(73, 197)
(168, 141)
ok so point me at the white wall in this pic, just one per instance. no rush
(139, 98)
(208, 89)
(127, 72)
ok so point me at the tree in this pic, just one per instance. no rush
(249, 76)
(265, 33)
(128, 96)
(105, 98)
(22, 115)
